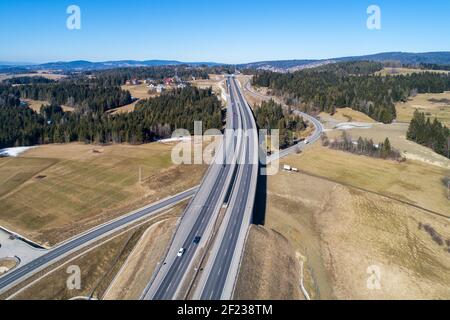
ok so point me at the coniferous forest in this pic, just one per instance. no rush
(117, 77)
(270, 115)
(350, 84)
(90, 122)
(432, 134)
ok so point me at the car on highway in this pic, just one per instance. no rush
(197, 240)
(181, 252)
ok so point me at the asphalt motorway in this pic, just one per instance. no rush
(227, 249)
(170, 277)
(174, 277)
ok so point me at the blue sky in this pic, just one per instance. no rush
(229, 31)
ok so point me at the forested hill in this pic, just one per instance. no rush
(351, 84)
(85, 97)
(155, 118)
(403, 57)
(117, 77)
(357, 68)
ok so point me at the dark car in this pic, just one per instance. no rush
(197, 240)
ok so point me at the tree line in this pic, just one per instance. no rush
(432, 134)
(86, 97)
(270, 115)
(352, 68)
(27, 80)
(336, 86)
(118, 77)
(154, 118)
(9, 97)
(363, 146)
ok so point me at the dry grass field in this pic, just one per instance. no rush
(16, 171)
(44, 74)
(347, 115)
(267, 251)
(411, 181)
(342, 231)
(37, 104)
(101, 264)
(216, 82)
(139, 92)
(137, 271)
(397, 136)
(53, 192)
(6, 264)
(434, 105)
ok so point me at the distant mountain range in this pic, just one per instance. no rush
(442, 58)
(405, 57)
(82, 65)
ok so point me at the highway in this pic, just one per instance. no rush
(237, 179)
(199, 219)
(220, 274)
(18, 275)
(219, 277)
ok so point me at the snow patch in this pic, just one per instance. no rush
(14, 152)
(3, 270)
(178, 139)
(353, 125)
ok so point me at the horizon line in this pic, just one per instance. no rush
(27, 63)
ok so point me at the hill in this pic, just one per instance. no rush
(82, 65)
(403, 58)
